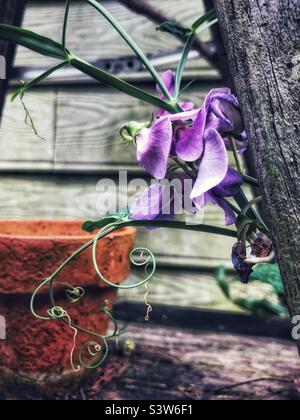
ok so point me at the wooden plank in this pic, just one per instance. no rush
(190, 289)
(81, 128)
(170, 364)
(11, 12)
(97, 116)
(86, 26)
(77, 197)
(18, 144)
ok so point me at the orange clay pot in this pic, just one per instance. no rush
(37, 353)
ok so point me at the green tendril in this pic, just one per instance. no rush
(139, 257)
(29, 120)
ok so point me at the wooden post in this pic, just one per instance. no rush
(11, 12)
(262, 40)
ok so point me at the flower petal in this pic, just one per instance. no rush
(229, 187)
(154, 147)
(168, 78)
(148, 205)
(213, 166)
(230, 117)
(189, 146)
(230, 217)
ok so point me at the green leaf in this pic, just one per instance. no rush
(174, 29)
(33, 41)
(204, 22)
(220, 277)
(21, 90)
(261, 307)
(119, 84)
(244, 224)
(92, 225)
(269, 274)
(131, 43)
(207, 17)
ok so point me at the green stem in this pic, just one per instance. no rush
(243, 202)
(64, 35)
(145, 223)
(236, 156)
(36, 81)
(182, 64)
(184, 167)
(250, 204)
(117, 83)
(132, 45)
(250, 180)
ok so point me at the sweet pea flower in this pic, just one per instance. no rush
(183, 134)
(229, 187)
(157, 203)
(199, 136)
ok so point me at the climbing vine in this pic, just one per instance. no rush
(179, 143)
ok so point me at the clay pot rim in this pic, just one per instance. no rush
(84, 237)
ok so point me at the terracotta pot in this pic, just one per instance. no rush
(37, 353)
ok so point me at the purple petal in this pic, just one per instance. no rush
(189, 145)
(230, 217)
(168, 78)
(230, 117)
(224, 94)
(213, 166)
(200, 201)
(154, 146)
(229, 187)
(187, 106)
(149, 205)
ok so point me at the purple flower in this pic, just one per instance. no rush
(150, 206)
(160, 203)
(199, 136)
(189, 134)
(229, 187)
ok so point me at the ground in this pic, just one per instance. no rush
(172, 364)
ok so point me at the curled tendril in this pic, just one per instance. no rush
(94, 349)
(74, 294)
(29, 120)
(57, 312)
(139, 257)
(148, 305)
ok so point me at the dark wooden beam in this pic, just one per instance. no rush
(11, 12)
(262, 42)
(144, 8)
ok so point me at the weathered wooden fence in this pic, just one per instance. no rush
(80, 123)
